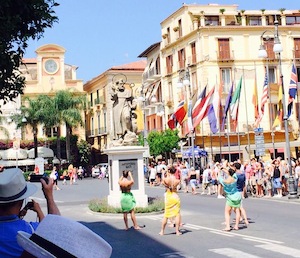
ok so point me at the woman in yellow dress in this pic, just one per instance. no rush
(172, 201)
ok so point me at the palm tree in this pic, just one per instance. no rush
(32, 111)
(67, 109)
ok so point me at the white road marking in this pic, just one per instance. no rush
(286, 251)
(233, 253)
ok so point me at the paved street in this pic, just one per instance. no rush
(273, 230)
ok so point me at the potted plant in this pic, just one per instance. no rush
(263, 11)
(222, 11)
(282, 10)
(176, 28)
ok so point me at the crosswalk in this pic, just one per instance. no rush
(273, 248)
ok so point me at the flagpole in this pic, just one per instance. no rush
(248, 133)
(270, 110)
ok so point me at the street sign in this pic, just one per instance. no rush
(259, 141)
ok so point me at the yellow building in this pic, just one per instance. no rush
(99, 117)
(45, 74)
(218, 45)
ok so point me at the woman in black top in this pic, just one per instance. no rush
(277, 179)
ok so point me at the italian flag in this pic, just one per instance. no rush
(234, 105)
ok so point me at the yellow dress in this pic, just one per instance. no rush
(172, 203)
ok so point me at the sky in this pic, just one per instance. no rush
(100, 34)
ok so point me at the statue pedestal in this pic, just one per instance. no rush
(126, 158)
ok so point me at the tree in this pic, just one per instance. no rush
(32, 110)
(20, 21)
(68, 109)
(84, 149)
(162, 143)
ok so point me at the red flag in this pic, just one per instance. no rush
(172, 123)
(180, 112)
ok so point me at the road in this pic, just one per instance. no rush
(273, 229)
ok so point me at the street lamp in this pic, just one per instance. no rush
(277, 48)
(263, 54)
(184, 82)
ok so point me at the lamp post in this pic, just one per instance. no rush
(277, 48)
(263, 54)
(183, 83)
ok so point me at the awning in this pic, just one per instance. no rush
(149, 90)
(228, 152)
(153, 93)
(279, 150)
(42, 152)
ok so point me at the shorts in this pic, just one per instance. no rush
(214, 182)
(193, 183)
(152, 180)
(277, 183)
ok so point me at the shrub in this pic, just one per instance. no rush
(100, 205)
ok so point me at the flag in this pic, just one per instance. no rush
(214, 113)
(199, 103)
(279, 115)
(172, 122)
(264, 99)
(205, 105)
(180, 112)
(255, 100)
(227, 104)
(292, 89)
(190, 126)
(235, 101)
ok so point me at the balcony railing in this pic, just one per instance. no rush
(96, 132)
(151, 73)
(100, 100)
(225, 56)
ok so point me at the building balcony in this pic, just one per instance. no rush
(96, 132)
(99, 101)
(152, 74)
(225, 56)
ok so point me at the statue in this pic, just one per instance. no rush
(123, 110)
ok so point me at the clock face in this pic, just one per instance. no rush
(51, 66)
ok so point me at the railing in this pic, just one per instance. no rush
(225, 56)
(152, 72)
(99, 100)
(96, 132)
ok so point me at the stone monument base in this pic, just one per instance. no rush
(126, 158)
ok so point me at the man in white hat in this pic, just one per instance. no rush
(13, 191)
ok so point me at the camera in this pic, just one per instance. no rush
(29, 206)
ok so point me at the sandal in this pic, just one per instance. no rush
(226, 229)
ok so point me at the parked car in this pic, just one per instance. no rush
(95, 171)
(100, 169)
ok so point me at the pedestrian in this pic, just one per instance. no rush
(185, 178)
(172, 201)
(80, 172)
(206, 180)
(51, 239)
(241, 186)
(277, 178)
(192, 177)
(233, 197)
(152, 175)
(14, 190)
(54, 175)
(127, 199)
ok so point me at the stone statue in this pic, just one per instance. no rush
(123, 110)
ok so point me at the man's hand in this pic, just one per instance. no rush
(48, 192)
(47, 187)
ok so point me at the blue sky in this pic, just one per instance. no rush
(100, 34)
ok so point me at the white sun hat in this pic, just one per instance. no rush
(57, 236)
(13, 186)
